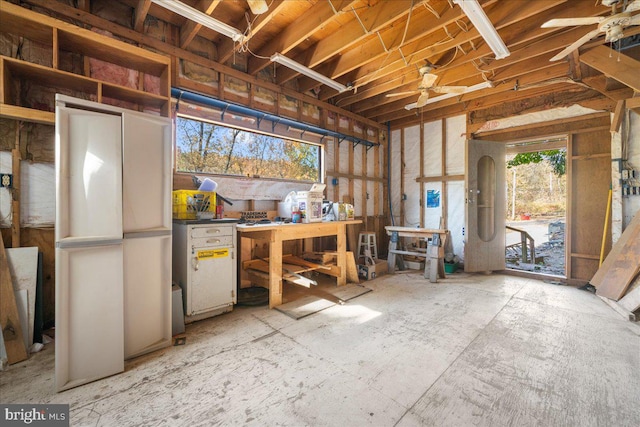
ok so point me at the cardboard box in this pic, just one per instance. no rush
(368, 272)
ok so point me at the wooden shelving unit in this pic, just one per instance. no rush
(64, 37)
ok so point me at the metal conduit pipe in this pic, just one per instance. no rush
(240, 109)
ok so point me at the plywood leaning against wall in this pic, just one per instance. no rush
(621, 265)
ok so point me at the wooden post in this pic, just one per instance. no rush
(15, 204)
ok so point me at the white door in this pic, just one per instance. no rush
(88, 175)
(88, 231)
(147, 173)
(89, 320)
(147, 294)
(486, 204)
(212, 279)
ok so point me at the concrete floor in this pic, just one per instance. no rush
(469, 350)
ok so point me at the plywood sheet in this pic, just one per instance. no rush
(621, 265)
(9, 319)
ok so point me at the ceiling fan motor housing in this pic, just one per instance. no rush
(613, 27)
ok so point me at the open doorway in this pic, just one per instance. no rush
(536, 206)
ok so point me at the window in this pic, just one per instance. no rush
(212, 148)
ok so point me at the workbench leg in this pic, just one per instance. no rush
(341, 260)
(391, 256)
(275, 271)
(441, 272)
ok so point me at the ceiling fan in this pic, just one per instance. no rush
(612, 26)
(426, 85)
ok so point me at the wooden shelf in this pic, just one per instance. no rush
(64, 37)
(27, 114)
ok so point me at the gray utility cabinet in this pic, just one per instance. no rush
(204, 266)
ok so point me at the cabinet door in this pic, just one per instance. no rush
(146, 173)
(88, 175)
(89, 319)
(212, 279)
(147, 294)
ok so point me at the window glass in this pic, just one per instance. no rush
(212, 148)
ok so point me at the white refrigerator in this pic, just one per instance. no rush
(113, 238)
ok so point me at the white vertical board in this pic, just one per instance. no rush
(411, 172)
(147, 173)
(23, 265)
(395, 164)
(456, 137)
(456, 215)
(89, 318)
(432, 214)
(147, 294)
(88, 175)
(433, 148)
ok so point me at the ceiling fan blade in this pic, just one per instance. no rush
(411, 92)
(428, 80)
(449, 89)
(633, 6)
(570, 22)
(582, 40)
(422, 99)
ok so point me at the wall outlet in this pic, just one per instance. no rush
(6, 180)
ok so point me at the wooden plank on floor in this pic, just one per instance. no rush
(9, 319)
(622, 264)
(631, 300)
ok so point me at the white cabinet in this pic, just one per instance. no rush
(113, 238)
(204, 265)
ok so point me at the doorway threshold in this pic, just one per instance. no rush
(551, 278)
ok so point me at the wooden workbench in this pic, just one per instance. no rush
(434, 253)
(275, 234)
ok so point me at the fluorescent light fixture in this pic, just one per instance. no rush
(201, 18)
(258, 7)
(473, 88)
(296, 66)
(476, 14)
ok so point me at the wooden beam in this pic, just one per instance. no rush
(443, 178)
(618, 115)
(16, 157)
(376, 17)
(614, 64)
(168, 49)
(227, 47)
(190, 29)
(27, 114)
(140, 14)
(293, 35)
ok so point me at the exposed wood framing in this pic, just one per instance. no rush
(443, 173)
(422, 159)
(16, 157)
(140, 14)
(614, 64)
(166, 48)
(402, 167)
